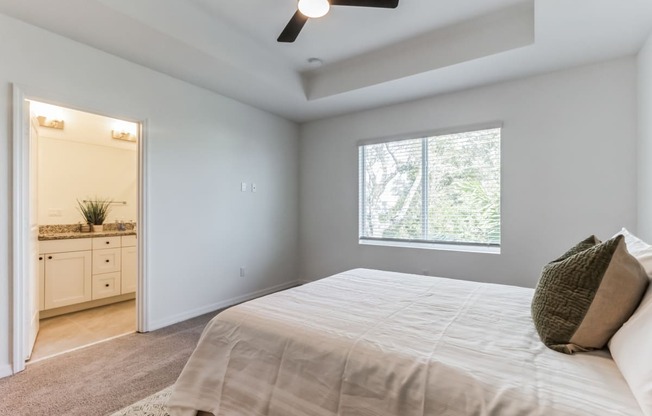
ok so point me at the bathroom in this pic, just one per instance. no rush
(85, 169)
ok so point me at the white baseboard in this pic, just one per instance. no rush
(171, 320)
(6, 370)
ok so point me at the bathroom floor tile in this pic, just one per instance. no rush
(78, 329)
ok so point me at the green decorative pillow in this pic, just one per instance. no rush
(579, 247)
(586, 295)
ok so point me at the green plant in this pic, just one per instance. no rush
(94, 211)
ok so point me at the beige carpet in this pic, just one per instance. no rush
(100, 379)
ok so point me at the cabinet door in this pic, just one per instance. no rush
(41, 282)
(106, 285)
(67, 278)
(106, 261)
(129, 269)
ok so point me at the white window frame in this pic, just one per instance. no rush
(424, 244)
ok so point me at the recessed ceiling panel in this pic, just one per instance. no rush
(496, 32)
(345, 31)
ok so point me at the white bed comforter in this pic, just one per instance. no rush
(372, 343)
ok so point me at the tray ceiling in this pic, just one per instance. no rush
(371, 57)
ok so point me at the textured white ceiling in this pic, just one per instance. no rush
(373, 57)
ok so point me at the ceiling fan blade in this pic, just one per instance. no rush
(293, 28)
(386, 4)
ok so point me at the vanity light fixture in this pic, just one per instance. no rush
(47, 115)
(123, 135)
(124, 130)
(51, 124)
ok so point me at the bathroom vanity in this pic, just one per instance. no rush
(84, 270)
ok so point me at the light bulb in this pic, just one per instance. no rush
(314, 8)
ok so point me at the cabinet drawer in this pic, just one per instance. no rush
(100, 243)
(106, 285)
(106, 261)
(61, 246)
(129, 241)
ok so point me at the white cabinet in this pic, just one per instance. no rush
(41, 282)
(66, 269)
(67, 278)
(62, 246)
(106, 261)
(107, 267)
(84, 269)
(129, 269)
(101, 243)
(106, 285)
(129, 241)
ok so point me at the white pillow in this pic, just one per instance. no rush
(631, 346)
(639, 249)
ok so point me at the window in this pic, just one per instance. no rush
(441, 189)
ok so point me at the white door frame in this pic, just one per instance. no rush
(20, 219)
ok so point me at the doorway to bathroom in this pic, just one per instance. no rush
(69, 283)
(85, 195)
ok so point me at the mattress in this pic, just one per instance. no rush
(374, 343)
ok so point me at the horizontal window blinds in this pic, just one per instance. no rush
(442, 189)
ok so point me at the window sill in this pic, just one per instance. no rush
(433, 246)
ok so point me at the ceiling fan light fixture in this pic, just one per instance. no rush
(314, 8)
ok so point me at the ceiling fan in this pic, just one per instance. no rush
(317, 8)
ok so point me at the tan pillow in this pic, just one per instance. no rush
(585, 296)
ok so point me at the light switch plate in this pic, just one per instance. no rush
(243, 187)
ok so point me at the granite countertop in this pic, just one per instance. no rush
(72, 231)
(77, 234)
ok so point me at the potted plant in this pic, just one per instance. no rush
(95, 212)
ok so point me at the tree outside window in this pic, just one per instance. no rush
(443, 189)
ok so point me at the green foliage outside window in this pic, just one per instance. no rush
(460, 174)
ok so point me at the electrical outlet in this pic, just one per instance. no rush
(243, 187)
(55, 213)
(242, 272)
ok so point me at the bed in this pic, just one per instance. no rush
(374, 343)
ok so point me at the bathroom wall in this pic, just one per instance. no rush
(83, 162)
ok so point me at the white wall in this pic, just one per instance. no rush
(645, 141)
(568, 171)
(83, 161)
(200, 147)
